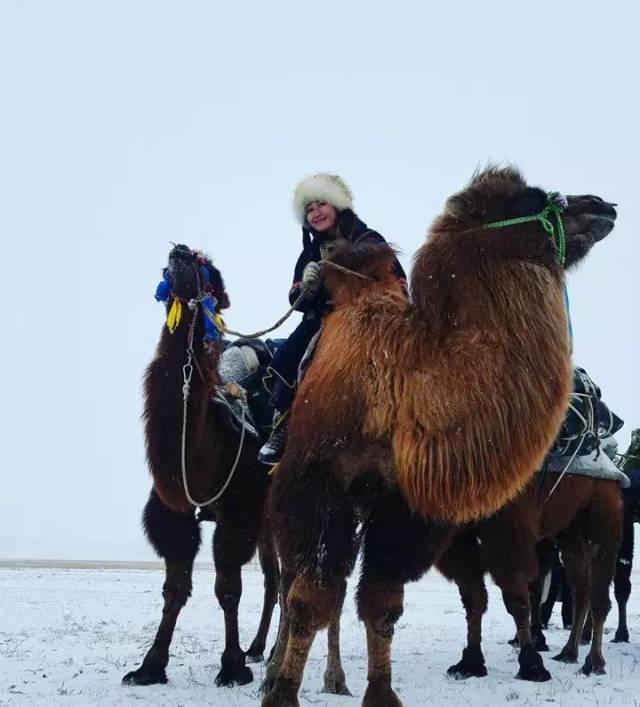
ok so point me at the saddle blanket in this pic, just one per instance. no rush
(597, 466)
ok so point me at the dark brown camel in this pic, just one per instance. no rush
(584, 516)
(169, 517)
(408, 412)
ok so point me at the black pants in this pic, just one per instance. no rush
(286, 361)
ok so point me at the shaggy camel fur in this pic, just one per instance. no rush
(169, 518)
(408, 413)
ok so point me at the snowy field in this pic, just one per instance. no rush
(68, 635)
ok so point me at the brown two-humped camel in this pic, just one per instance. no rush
(415, 417)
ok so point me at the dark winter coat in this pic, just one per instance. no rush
(355, 231)
(287, 359)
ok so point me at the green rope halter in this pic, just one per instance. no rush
(556, 204)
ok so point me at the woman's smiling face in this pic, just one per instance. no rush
(321, 216)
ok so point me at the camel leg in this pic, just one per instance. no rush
(575, 555)
(399, 547)
(234, 543)
(310, 606)
(274, 664)
(335, 682)
(510, 553)
(605, 522)
(176, 538)
(622, 580)
(462, 564)
(546, 552)
(271, 572)
(315, 529)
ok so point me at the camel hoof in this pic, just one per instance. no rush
(621, 637)
(380, 694)
(283, 694)
(566, 656)
(145, 676)
(458, 672)
(590, 667)
(336, 687)
(228, 676)
(541, 644)
(540, 674)
(531, 666)
(470, 666)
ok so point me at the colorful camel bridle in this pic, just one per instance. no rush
(211, 319)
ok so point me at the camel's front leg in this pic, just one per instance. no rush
(176, 538)
(310, 606)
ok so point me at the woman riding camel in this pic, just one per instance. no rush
(323, 204)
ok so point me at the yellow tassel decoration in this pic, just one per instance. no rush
(174, 316)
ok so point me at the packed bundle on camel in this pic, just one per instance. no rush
(444, 406)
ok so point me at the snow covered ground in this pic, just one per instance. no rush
(67, 636)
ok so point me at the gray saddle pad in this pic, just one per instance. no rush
(588, 465)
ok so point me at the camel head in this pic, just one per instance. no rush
(373, 261)
(497, 213)
(190, 274)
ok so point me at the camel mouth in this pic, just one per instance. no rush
(181, 269)
(590, 216)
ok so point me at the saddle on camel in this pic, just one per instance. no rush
(415, 417)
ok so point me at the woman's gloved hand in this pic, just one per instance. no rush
(312, 277)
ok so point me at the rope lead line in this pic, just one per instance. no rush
(187, 373)
(292, 309)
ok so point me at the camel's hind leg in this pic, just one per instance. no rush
(176, 538)
(234, 544)
(462, 563)
(622, 579)
(604, 529)
(335, 682)
(575, 555)
(510, 553)
(271, 573)
(399, 546)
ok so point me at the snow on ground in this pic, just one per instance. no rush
(67, 636)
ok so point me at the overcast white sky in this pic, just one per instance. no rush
(127, 124)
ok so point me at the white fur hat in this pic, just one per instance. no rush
(321, 187)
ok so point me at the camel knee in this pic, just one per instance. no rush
(380, 608)
(311, 607)
(177, 587)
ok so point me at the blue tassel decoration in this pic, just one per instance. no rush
(163, 290)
